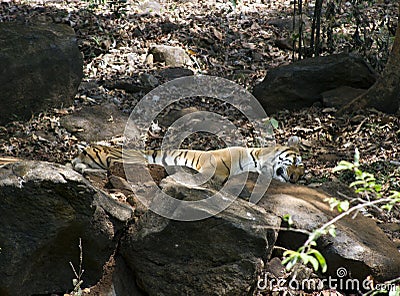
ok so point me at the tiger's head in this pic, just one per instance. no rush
(287, 165)
(290, 173)
(85, 159)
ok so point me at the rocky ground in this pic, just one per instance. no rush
(239, 44)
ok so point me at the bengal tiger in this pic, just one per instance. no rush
(7, 160)
(285, 160)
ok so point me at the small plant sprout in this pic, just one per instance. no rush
(288, 218)
(272, 122)
(341, 205)
(77, 281)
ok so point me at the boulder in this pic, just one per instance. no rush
(40, 68)
(220, 255)
(340, 96)
(45, 209)
(360, 246)
(172, 56)
(302, 83)
(95, 123)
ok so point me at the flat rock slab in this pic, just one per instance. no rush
(302, 83)
(96, 123)
(45, 209)
(40, 68)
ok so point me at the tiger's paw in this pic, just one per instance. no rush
(84, 169)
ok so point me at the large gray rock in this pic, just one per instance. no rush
(302, 83)
(220, 255)
(40, 68)
(360, 245)
(45, 208)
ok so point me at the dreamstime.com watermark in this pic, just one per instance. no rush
(227, 92)
(339, 282)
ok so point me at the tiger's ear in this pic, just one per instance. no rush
(294, 141)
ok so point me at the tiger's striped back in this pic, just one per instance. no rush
(285, 161)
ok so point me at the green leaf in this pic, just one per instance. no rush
(290, 262)
(395, 195)
(288, 219)
(367, 176)
(343, 206)
(314, 263)
(333, 202)
(317, 233)
(395, 292)
(290, 265)
(274, 123)
(321, 259)
(289, 253)
(291, 259)
(355, 183)
(313, 243)
(343, 165)
(388, 207)
(378, 187)
(304, 257)
(332, 231)
(286, 260)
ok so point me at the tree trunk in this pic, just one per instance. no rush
(384, 95)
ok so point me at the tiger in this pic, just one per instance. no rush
(285, 160)
(7, 160)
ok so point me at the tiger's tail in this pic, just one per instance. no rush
(7, 160)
